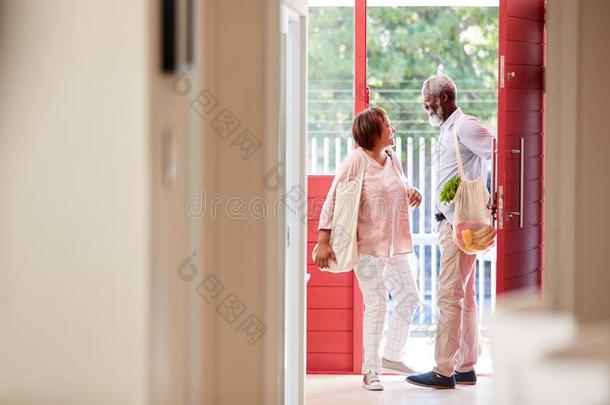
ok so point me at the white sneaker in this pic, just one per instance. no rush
(397, 367)
(372, 382)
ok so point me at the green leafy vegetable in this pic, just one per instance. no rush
(449, 189)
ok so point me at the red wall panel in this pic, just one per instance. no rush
(329, 320)
(526, 9)
(330, 300)
(329, 363)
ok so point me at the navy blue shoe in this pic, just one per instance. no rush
(432, 379)
(467, 378)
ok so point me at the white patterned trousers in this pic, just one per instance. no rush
(377, 276)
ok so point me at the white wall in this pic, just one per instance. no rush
(92, 308)
(74, 212)
(576, 232)
(593, 185)
(240, 50)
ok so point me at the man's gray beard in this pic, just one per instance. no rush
(436, 118)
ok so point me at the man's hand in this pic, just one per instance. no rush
(323, 254)
(414, 197)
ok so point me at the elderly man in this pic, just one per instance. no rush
(457, 334)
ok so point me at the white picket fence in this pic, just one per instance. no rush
(426, 249)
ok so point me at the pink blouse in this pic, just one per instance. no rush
(383, 217)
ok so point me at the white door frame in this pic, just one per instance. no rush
(292, 144)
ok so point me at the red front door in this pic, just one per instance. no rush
(520, 151)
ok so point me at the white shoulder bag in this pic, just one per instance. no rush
(343, 236)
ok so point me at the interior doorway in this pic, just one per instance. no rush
(404, 45)
(495, 51)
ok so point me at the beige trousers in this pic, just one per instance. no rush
(457, 335)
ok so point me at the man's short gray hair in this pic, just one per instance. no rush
(438, 84)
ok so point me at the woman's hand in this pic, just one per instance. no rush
(323, 255)
(414, 197)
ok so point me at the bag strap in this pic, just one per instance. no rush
(458, 155)
(361, 174)
(395, 163)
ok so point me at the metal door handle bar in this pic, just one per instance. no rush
(521, 212)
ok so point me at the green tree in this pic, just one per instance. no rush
(405, 45)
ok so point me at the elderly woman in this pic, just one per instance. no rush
(384, 242)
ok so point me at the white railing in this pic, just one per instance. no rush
(425, 260)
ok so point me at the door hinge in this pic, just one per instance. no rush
(501, 71)
(546, 15)
(500, 207)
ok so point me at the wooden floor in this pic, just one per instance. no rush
(347, 389)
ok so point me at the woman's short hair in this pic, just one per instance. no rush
(367, 127)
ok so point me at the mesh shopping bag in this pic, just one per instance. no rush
(473, 230)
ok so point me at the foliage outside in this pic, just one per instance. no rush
(405, 45)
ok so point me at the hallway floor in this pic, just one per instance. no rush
(347, 389)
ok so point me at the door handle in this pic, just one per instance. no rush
(521, 212)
